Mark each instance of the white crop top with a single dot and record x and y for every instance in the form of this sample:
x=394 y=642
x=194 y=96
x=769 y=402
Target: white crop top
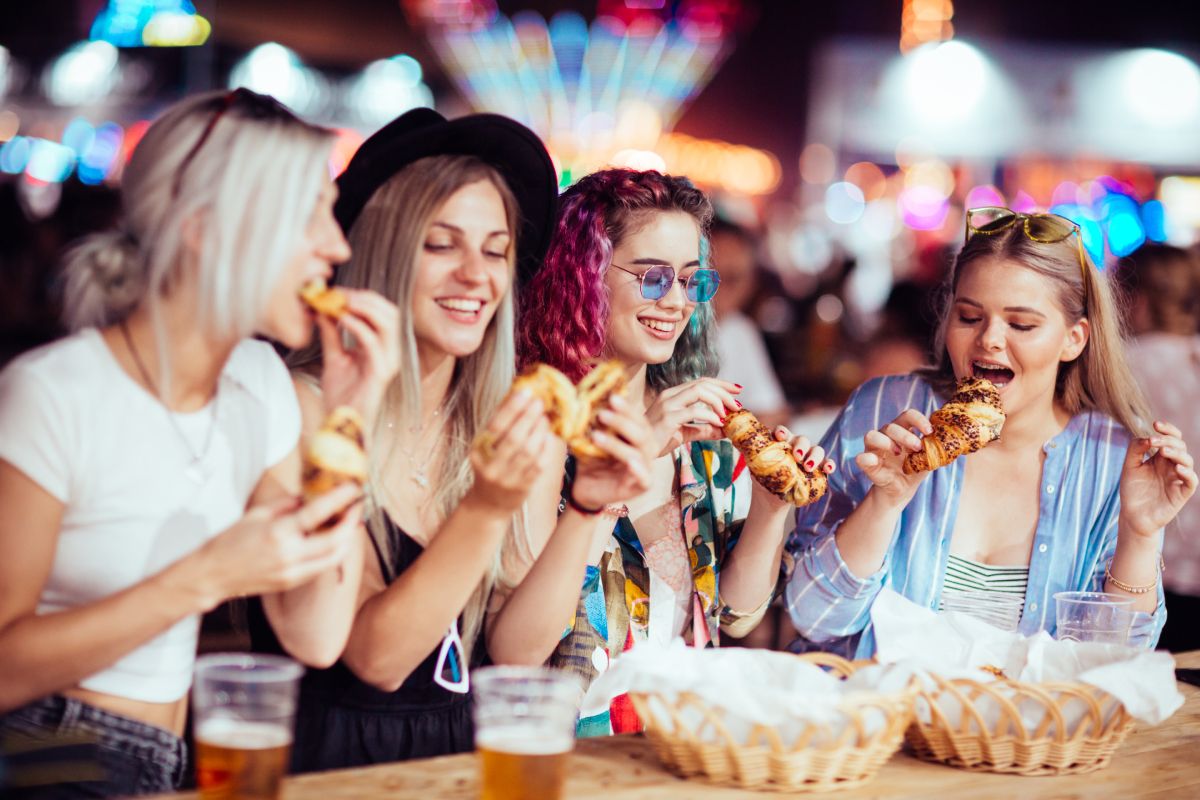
x=75 y=423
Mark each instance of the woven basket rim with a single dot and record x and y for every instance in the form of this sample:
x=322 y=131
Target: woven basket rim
x=1009 y=745
x=850 y=758
x=856 y=699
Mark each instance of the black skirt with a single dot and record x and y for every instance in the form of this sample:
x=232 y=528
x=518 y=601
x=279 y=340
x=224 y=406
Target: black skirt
x=342 y=721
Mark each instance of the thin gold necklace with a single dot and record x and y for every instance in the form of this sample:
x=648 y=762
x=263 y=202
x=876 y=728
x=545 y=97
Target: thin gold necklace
x=196 y=471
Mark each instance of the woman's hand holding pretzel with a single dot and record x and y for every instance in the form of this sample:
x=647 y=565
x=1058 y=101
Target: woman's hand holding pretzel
x=691 y=412
x=884 y=451
x=509 y=455
x=627 y=438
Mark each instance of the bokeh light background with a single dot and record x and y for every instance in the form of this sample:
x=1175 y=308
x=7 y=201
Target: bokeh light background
x=852 y=135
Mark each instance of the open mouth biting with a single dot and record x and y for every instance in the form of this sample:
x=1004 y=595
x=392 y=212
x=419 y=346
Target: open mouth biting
x=661 y=329
x=998 y=374
x=461 y=309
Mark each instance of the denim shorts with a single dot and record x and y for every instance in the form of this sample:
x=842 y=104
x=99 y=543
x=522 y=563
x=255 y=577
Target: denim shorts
x=62 y=748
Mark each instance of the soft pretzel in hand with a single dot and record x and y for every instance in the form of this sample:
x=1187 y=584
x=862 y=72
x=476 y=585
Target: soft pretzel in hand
x=771 y=462
x=570 y=409
x=970 y=421
x=593 y=391
x=557 y=394
x=335 y=454
x=327 y=300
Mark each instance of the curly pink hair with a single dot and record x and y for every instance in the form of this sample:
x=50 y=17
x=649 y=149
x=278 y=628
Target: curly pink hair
x=564 y=308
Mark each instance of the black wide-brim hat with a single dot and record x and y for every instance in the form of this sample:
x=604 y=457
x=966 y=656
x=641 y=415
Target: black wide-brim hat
x=505 y=144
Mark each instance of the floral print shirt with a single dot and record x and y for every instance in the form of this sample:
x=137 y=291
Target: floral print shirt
x=613 y=614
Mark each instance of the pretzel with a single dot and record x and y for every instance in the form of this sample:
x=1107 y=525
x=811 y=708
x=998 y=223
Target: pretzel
x=335 y=454
x=970 y=421
x=771 y=462
x=331 y=302
x=572 y=409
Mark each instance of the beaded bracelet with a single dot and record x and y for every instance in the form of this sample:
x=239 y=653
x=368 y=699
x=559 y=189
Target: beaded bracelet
x=616 y=510
x=1125 y=587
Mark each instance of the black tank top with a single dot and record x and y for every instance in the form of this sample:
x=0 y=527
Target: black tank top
x=344 y=722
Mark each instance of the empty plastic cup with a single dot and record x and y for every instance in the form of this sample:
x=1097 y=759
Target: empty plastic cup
x=999 y=609
x=1093 y=617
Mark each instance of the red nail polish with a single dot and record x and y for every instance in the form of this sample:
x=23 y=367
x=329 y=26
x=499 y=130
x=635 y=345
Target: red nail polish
x=739 y=386
x=810 y=463
x=739 y=405
x=829 y=468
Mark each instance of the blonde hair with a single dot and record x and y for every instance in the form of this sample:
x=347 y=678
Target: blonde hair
x=386 y=240
x=241 y=167
x=1099 y=378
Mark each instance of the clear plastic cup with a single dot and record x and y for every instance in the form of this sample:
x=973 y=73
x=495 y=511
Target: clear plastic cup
x=245 y=708
x=524 y=730
x=999 y=609
x=1093 y=617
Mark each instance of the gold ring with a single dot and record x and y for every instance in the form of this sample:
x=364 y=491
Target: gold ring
x=486 y=444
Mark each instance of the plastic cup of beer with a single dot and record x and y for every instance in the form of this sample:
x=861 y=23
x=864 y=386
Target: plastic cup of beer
x=244 y=708
x=1093 y=617
x=524 y=730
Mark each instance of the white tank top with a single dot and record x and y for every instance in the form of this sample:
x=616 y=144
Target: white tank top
x=75 y=423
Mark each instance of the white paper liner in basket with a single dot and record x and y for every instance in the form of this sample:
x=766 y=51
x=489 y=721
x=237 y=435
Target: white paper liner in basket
x=758 y=719
x=1062 y=707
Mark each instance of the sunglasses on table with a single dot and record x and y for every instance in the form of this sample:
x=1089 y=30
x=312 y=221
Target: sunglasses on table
x=700 y=286
x=1042 y=228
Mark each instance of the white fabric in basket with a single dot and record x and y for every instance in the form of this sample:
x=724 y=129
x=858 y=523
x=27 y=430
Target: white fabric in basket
x=751 y=687
x=956 y=645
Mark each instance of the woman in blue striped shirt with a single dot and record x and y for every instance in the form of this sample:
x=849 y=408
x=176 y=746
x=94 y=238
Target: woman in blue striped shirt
x=1077 y=489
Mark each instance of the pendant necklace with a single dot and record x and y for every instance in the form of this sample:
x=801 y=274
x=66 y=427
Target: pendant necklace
x=195 y=470
x=418 y=473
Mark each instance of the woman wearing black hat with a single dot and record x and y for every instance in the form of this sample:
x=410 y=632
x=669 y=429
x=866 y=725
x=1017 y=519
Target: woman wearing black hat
x=443 y=218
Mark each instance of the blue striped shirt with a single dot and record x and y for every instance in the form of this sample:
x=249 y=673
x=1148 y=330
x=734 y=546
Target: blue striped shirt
x=1076 y=529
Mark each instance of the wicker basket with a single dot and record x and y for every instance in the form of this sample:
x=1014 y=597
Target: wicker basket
x=1055 y=745
x=819 y=759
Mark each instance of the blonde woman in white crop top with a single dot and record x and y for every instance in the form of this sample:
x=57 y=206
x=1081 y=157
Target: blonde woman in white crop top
x=149 y=461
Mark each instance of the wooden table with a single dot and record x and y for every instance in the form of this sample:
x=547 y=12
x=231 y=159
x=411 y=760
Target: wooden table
x=1153 y=763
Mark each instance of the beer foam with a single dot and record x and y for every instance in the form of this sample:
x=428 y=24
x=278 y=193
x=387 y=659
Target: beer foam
x=523 y=740
x=242 y=735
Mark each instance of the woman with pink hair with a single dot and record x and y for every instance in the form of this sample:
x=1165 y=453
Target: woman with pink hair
x=625 y=278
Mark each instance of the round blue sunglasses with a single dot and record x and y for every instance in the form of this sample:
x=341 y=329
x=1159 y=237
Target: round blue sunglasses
x=700 y=287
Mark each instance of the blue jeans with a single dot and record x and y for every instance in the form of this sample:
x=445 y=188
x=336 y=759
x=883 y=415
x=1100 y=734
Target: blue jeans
x=59 y=747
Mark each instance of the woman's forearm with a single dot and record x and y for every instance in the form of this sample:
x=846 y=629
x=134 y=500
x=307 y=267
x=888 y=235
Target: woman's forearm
x=396 y=628
x=749 y=576
x=47 y=653
x=313 y=621
x=531 y=623
x=1135 y=563
x=866 y=534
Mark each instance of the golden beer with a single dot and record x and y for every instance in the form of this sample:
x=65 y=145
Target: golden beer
x=238 y=760
x=520 y=766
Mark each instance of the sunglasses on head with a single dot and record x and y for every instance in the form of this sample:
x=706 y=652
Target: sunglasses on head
x=1042 y=228
x=248 y=104
x=700 y=286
